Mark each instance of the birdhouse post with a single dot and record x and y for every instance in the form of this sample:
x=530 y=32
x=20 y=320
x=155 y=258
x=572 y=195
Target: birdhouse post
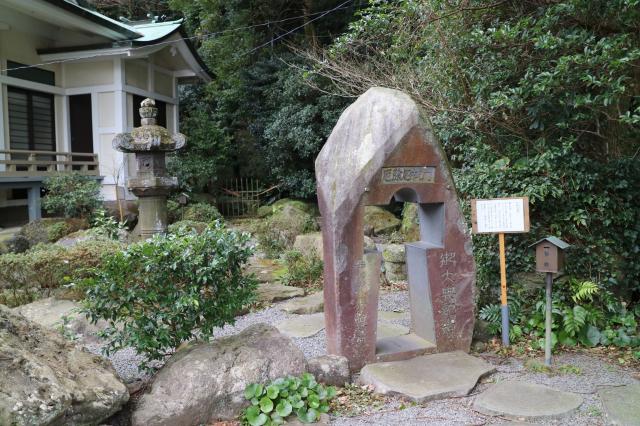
x=549 y=259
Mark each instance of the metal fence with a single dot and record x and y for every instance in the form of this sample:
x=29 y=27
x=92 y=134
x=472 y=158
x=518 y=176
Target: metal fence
x=242 y=196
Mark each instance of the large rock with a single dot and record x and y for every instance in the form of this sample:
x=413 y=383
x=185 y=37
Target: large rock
x=410 y=227
x=311 y=244
x=49 y=230
x=275 y=292
x=332 y=370
x=45 y=380
x=206 y=381
x=310 y=304
x=62 y=316
x=380 y=221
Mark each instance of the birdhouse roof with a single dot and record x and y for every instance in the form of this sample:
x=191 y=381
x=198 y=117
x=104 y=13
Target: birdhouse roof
x=555 y=241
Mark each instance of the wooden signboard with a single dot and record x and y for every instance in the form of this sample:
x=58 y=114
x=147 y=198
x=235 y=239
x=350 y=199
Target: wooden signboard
x=500 y=215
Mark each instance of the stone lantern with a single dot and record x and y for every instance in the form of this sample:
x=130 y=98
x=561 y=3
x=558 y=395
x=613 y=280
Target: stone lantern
x=150 y=143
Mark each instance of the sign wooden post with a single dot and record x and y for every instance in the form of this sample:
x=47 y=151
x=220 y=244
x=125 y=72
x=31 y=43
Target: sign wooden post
x=501 y=216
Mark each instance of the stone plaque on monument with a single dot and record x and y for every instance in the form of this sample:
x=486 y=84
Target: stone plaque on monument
x=383 y=148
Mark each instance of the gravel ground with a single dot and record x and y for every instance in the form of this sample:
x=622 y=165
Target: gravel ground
x=590 y=373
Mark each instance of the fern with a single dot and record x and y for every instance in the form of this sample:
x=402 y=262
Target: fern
x=574 y=319
x=584 y=291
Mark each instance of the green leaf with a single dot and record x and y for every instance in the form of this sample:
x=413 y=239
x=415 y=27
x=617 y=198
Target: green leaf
x=331 y=392
x=255 y=417
x=313 y=401
x=266 y=405
x=284 y=408
x=307 y=416
x=276 y=419
x=273 y=391
x=250 y=390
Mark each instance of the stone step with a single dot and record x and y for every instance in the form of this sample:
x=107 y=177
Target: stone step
x=398 y=348
x=426 y=378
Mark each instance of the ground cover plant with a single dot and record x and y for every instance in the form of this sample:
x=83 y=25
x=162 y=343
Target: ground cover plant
x=301 y=397
x=158 y=293
x=302 y=270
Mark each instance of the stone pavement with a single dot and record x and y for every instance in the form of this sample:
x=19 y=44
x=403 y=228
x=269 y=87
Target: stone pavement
x=520 y=400
x=428 y=377
x=621 y=404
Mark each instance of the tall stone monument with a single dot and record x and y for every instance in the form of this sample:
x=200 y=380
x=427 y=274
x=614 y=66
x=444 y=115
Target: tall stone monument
x=382 y=148
x=150 y=143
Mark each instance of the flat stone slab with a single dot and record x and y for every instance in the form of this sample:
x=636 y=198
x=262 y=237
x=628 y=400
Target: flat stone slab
x=427 y=377
x=392 y=315
x=387 y=329
x=302 y=325
x=310 y=304
x=520 y=400
x=621 y=404
x=400 y=348
x=276 y=292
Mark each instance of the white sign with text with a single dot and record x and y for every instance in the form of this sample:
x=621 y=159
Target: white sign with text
x=500 y=215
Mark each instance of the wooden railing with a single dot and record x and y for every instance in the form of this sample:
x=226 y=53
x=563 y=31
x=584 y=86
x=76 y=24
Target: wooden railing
x=22 y=163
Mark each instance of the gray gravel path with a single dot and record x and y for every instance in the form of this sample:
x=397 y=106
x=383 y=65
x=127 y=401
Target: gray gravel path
x=593 y=373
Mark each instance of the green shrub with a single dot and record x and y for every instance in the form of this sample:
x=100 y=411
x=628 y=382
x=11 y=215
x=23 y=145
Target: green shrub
x=285 y=397
x=105 y=225
x=582 y=313
x=71 y=195
x=49 y=266
x=191 y=225
x=302 y=270
x=201 y=212
x=50 y=230
x=159 y=293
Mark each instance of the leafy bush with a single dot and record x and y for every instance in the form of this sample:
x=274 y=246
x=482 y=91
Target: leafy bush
x=49 y=266
x=71 y=195
x=303 y=270
x=280 y=399
x=190 y=225
x=159 y=293
x=582 y=313
x=201 y=212
x=105 y=225
x=49 y=230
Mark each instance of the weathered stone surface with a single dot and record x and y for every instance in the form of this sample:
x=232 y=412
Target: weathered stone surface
x=380 y=221
x=428 y=377
x=410 y=227
x=310 y=304
x=395 y=272
x=330 y=369
x=309 y=244
x=45 y=379
x=387 y=329
x=62 y=316
x=206 y=381
x=312 y=244
x=393 y=253
x=392 y=315
x=270 y=293
x=519 y=400
x=265 y=270
x=384 y=130
x=49 y=230
x=302 y=325
x=621 y=404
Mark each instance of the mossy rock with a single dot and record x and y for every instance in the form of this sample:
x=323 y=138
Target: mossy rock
x=50 y=230
x=410 y=227
x=309 y=208
x=380 y=221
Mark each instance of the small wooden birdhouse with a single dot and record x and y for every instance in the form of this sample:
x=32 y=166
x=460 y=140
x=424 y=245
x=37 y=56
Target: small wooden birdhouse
x=550 y=254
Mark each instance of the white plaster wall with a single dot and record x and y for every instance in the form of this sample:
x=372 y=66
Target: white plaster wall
x=163 y=84
x=136 y=73
x=83 y=74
